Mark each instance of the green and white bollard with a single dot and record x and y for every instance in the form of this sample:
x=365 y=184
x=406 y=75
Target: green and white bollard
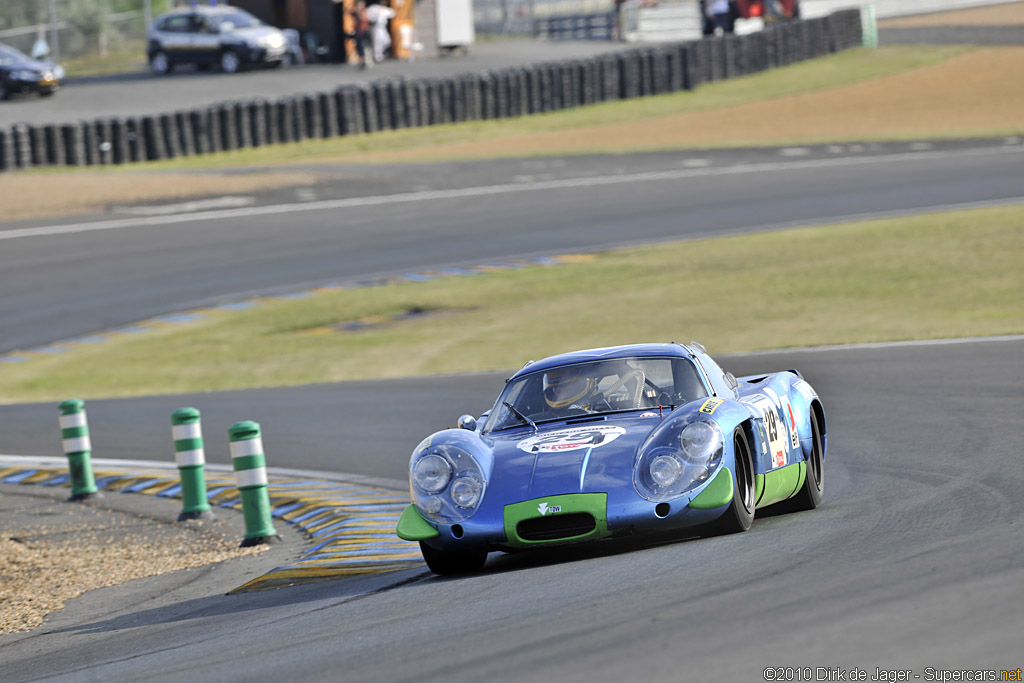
x=74 y=432
x=251 y=478
x=190 y=457
x=868 y=26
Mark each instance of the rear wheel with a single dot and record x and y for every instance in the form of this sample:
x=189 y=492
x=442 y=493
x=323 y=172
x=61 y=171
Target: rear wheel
x=809 y=496
x=740 y=514
x=446 y=563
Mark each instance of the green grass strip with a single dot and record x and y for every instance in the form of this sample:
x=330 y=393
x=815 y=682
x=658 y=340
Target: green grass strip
x=932 y=276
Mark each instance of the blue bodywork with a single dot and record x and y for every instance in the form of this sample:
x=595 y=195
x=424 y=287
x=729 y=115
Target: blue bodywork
x=596 y=463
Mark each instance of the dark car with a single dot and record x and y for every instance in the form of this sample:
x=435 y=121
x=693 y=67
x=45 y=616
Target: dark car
x=222 y=35
x=19 y=73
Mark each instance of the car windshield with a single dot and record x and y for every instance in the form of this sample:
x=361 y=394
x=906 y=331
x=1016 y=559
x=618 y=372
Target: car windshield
x=236 y=20
x=596 y=387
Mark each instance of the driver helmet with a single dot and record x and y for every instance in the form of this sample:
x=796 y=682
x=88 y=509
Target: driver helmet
x=565 y=386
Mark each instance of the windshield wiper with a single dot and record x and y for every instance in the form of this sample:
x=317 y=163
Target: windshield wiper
x=522 y=417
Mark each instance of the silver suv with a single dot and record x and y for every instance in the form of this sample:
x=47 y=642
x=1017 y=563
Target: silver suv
x=219 y=34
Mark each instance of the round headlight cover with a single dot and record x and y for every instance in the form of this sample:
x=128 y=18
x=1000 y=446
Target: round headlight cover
x=431 y=473
x=446 y=482
x=678 y=460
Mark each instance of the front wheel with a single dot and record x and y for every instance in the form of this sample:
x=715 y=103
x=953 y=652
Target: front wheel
x=160 y=63
x=740 y=514
x=444 y=563
x=230 y=62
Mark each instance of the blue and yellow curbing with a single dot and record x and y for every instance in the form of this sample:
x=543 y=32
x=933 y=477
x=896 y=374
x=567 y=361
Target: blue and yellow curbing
x=351 y=525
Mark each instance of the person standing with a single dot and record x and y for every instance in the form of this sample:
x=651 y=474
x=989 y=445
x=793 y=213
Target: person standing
x=717 y=12
x=361 y=32
x=379 y=15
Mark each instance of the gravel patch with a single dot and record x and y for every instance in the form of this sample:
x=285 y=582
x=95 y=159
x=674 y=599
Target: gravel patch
x=52 y=551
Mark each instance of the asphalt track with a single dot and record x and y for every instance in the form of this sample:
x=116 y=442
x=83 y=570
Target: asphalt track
x=65 y=278
x=913 y=561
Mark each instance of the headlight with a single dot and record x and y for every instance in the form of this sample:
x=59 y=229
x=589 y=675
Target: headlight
x=678 y=461
x=446 y=483
x=665 y=470
x=700 y=441
x=466 y=491
x=431 y=473
x=273 y=41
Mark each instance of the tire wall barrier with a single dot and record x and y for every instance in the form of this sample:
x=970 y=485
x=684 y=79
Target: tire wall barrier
x=399 y=103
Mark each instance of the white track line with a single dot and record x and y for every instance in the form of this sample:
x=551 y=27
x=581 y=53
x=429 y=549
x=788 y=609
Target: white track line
x=492 y=190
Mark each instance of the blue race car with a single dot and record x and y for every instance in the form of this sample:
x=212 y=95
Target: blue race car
x=615 y=442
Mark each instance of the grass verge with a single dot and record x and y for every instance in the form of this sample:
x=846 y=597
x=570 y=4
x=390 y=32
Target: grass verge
x=931 y=276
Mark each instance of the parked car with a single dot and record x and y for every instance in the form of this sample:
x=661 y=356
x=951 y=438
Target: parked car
x=646 y=439
x=216 y=35
x=19 y=73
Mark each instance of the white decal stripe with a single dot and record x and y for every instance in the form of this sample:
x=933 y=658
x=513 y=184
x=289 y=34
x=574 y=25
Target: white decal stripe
x=77 y=444
x=72 y=420
x=248 y=447
x=189 y=431
x=188 y=458
x=253 y=477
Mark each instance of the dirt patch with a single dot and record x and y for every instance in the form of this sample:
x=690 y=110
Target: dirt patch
x=81 y=192
x=976 y=91
x=42 y=565
x=995 y=15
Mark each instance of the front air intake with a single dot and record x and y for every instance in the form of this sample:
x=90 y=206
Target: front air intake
x=556 y=527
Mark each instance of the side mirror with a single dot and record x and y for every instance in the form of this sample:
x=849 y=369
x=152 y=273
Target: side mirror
x=467 y=422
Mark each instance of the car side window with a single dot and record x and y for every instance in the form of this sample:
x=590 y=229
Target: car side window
x=176 y=23
x=716 y=375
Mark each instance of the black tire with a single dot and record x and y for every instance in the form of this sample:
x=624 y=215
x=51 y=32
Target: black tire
x=740 y=514
x=160 y=64
x=4 y=94
x=809 y=495
x=444 y=563
x=230 y=62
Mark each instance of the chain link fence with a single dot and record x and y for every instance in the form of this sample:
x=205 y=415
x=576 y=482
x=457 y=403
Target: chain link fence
x=74 y=30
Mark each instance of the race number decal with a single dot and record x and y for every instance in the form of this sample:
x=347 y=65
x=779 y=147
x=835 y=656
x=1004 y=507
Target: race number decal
x=571 y=439
x=776 y=430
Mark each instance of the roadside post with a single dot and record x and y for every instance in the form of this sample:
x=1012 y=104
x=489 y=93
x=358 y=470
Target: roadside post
x=190 y=457
x=869 y=26
x=74 y=432
x=250 y=468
